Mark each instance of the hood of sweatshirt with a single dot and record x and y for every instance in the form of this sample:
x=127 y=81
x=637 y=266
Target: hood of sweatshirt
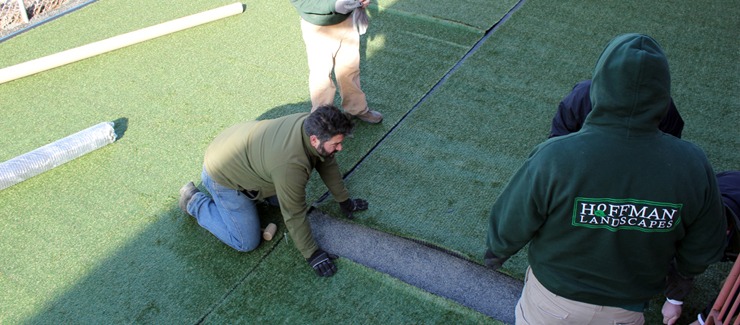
x=631 y=86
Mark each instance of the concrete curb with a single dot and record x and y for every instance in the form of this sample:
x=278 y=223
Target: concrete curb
x=470 y=284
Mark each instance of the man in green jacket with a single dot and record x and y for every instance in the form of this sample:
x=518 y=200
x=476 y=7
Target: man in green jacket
x=271 y=160
x=330 y=32
x=615 y=213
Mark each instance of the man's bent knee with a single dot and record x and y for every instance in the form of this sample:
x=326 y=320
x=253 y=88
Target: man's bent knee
x=246 y=247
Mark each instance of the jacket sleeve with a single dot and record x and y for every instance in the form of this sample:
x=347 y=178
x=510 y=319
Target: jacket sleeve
x=572 y=110
x=704 y=242
x=332 y=177
x=516 y=215
x=290 y=186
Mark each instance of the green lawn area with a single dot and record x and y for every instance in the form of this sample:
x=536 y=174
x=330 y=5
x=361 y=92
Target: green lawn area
x=102 y=240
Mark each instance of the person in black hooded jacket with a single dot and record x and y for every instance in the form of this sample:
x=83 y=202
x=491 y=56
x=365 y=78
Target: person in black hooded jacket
x=574 y=108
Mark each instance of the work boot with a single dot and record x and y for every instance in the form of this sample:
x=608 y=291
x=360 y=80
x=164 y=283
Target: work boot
x=186 y=193
x=370 y=116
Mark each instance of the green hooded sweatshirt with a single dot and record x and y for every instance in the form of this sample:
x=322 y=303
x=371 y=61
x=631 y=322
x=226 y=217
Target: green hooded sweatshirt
x=275 y=157
x=319 y=12
x=606 y=209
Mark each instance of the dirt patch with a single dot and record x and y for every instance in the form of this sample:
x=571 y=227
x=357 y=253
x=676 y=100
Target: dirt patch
x=11 y=16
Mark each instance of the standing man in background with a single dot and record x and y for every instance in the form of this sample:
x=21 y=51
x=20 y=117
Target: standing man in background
x=615 y=213
x=331 y=30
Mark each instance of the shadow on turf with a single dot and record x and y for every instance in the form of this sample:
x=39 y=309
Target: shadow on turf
x=120 y=126
x=173 y=271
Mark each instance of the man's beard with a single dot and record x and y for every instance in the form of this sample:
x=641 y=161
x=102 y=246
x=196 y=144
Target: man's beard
x=323 y=152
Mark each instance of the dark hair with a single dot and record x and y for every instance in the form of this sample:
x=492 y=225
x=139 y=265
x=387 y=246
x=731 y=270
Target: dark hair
x=326 y=122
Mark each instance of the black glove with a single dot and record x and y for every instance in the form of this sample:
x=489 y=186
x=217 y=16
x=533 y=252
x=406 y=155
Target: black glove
x=493 y=261
x=352 y=205
x=321 y=262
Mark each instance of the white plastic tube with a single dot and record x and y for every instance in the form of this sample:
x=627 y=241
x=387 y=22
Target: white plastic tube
x=83 y=52
x=54 y=154
x=22 y=10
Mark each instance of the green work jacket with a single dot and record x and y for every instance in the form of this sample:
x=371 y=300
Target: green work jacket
x=275 y=157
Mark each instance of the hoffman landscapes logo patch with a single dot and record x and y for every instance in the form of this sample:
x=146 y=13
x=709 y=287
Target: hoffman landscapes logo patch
x=626 y=214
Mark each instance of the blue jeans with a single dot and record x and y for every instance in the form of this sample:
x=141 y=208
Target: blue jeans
x=228 y=214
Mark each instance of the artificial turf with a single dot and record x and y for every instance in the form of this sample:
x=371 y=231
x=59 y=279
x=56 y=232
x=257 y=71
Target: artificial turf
x=101 y=239
x=359 y=295
x=457 y=150
x=459 y=147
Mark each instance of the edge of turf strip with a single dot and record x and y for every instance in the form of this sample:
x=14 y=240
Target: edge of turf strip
x=465 y=282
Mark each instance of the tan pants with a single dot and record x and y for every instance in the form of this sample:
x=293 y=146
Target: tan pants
x=334 y=48
x=540 y=306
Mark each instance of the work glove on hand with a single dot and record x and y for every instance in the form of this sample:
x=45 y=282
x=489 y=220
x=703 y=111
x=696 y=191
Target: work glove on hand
x=346 y=6
x=352 y=205
x=493 y=261
x=321 y=262
x=671 y=313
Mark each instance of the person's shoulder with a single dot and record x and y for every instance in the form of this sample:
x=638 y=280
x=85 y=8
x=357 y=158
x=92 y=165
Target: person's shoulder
x=557 y=143
x=550 y=149
x=583 y=84
x=730 y=174
x=690 y=154
x=685 y=145
x=294 y=116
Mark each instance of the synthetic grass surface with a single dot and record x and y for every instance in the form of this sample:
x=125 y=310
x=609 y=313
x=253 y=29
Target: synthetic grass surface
x=355 y=294
x=167 y=271
x=436 y=176
x=478 y=14
x=108 y=222
x=219 y=285
x=101 y=239
x=458 y=148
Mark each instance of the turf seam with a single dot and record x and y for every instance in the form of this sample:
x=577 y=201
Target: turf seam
x=432 y=90
x=442 y=80
x=226 y=295
x=423 y=99
x=449 y=22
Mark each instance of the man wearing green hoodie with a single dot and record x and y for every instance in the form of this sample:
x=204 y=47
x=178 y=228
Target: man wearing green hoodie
x=271 y=160
x=331 y=30
x=615 y=213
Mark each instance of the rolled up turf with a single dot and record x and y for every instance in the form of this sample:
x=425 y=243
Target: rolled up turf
x=56 y=153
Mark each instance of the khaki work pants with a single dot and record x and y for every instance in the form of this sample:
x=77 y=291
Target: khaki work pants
x=540 y=306
x=334 y=48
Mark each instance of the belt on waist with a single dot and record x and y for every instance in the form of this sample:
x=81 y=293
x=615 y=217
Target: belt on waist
x=250 y=194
